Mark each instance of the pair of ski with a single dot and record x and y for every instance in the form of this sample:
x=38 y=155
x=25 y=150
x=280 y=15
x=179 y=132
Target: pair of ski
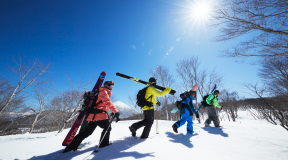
x=87 y=104
x=137 y=80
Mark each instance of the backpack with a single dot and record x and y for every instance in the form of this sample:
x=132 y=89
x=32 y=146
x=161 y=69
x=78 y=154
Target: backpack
x=141 y=101
x=179 y=105
x=204 y=103
x=92 y=109
x=183 y=96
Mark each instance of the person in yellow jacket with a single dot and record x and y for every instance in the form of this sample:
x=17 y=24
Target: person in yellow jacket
x=148 y=111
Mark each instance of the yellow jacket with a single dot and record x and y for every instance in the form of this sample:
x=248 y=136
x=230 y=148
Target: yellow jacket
x=152 y=91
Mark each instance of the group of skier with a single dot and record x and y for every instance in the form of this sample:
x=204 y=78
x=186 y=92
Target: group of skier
x=98 y=116
x=188 y=109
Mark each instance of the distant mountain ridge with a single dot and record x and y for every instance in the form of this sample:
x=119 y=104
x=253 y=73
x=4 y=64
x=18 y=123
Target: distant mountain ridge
x=124 y=110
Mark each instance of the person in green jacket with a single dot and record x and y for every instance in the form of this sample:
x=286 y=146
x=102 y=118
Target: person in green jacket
x=148 y=111
x=212 y=115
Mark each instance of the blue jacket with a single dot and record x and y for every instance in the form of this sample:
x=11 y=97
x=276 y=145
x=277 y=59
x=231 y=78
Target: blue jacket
x=189 y=101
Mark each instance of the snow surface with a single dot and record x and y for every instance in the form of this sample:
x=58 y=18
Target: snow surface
x=246 y=139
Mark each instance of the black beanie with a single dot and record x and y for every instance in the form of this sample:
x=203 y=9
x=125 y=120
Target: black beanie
x=152 y=79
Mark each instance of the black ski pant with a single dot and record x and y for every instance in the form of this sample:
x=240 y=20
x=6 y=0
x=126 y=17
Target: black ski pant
x=212 y=116
x=89 y=130
x=147 y=122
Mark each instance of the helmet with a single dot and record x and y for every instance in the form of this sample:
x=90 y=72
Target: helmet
x=152 y=79
x=107 y=84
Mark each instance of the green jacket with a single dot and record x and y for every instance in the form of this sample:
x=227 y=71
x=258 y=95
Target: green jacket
x=213 y=98
x=151 y=91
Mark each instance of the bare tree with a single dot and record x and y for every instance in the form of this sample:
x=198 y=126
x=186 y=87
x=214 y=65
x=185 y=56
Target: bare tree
x=190 y=73
x=229 y=100
x=16 y=103
x=25 y=72
x=275 y=75
x=77 y=93
x=14 y=108
x=278 y=114
x=41 y=91
x=265 y=21
x=62 y=105
x=164 y=79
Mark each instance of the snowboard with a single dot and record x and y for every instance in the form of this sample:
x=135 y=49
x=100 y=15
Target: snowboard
x=87 y=102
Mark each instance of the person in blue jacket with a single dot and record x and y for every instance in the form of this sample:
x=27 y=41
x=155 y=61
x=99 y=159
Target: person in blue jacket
x=186 y=113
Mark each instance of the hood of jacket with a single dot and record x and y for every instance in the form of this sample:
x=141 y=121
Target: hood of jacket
x=105 y=89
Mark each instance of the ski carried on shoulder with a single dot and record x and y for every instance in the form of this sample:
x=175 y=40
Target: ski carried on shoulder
x=137 y=80
x=87 y=102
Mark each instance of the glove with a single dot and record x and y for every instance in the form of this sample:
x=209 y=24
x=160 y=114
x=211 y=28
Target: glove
x=117 y=116
x=222 y=107
x=85 y=95
x=112 y=114
x=197 y=115
x=168 y=89
x=158 y=103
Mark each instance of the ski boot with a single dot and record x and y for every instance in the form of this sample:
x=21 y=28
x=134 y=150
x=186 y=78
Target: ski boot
x=175 y=128
x=133 y=131
x=206 y=125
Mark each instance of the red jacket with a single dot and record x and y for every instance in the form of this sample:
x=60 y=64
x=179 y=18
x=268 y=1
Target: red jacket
x=104 y=95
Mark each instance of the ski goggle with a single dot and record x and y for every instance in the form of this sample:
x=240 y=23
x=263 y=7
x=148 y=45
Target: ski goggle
x=110 y=83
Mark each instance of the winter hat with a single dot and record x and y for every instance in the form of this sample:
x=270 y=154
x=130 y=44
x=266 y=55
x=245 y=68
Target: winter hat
x=107 y=84
x=152 y=79
x=216 y=91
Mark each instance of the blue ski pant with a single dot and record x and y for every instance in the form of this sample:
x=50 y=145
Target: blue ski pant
x=186 y=118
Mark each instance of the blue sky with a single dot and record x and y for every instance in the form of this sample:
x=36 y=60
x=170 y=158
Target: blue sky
x=83 y=38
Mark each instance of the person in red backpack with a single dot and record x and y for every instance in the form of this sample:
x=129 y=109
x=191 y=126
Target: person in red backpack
x=98 y=117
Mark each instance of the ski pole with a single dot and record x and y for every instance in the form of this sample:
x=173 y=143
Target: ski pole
x=106 y=132
x=219 y=114
x=157 y=131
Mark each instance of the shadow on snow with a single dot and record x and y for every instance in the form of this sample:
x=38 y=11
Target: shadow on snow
x=214 y=130
x=181 y=138
x=116 y=150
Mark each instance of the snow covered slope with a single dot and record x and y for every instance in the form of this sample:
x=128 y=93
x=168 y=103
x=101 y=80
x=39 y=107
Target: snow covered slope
x=124 y=110
x=246 y=139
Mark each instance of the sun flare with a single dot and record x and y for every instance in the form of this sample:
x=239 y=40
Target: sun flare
x=201 y=10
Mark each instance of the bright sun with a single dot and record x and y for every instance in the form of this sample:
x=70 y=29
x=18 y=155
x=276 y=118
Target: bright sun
x=201 y=10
